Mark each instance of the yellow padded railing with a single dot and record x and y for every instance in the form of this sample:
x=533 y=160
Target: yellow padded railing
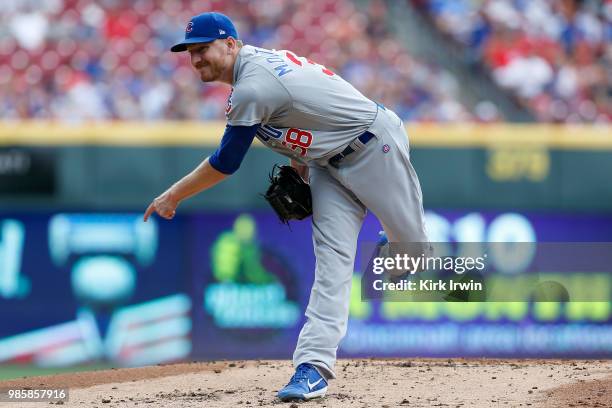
x=570 y=137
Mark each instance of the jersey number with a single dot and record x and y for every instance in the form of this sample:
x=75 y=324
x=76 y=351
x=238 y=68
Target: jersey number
x=293 y=58
x=298 y=139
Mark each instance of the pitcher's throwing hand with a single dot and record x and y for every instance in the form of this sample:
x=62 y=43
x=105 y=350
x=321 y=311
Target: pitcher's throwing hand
x=164 y=205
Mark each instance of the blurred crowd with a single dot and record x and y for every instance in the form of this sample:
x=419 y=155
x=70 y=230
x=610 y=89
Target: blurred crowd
x=81 y=60
x=554 y=55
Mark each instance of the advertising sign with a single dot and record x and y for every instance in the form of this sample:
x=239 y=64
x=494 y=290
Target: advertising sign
x=87 y=287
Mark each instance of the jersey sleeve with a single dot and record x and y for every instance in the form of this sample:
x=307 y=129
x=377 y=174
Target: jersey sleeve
x=234 y=146
x=256 y=98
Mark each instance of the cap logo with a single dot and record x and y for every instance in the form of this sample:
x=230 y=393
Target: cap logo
x=221 y=31
x=189 y=27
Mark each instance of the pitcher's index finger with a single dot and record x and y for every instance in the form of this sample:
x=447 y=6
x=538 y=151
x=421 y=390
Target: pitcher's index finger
x=148 y=212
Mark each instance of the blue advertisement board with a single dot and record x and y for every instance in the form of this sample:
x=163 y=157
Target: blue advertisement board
x=251 y=281
x=84 y=287
x=495 y=329
x=79 y=288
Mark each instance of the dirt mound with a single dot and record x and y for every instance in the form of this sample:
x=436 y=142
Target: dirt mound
x=583 y=394
x=91 y=378
x=360 y=383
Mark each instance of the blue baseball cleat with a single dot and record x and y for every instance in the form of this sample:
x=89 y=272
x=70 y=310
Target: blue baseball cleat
x=305 y=384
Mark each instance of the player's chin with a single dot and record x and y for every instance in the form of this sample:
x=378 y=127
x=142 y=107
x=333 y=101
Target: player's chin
x=209 y=74
x=206 y=77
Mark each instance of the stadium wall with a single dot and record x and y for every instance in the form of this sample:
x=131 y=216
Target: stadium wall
x=124 y=165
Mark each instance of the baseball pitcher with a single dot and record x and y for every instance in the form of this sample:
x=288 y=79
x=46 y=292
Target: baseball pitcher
x=353 y=152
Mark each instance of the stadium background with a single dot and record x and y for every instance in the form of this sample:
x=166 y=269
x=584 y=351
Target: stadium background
x=507 y=104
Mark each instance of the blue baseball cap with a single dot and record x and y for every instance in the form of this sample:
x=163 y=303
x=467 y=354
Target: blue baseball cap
x=204 y=28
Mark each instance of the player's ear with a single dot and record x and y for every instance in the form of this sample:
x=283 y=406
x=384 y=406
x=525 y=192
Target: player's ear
x=231 y=44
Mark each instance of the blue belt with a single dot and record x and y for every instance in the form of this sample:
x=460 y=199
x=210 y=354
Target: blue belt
x=364 y=138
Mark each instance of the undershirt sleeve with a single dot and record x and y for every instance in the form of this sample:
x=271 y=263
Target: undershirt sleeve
x=234 y=145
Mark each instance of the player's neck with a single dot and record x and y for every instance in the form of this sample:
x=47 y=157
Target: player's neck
x=228 y=75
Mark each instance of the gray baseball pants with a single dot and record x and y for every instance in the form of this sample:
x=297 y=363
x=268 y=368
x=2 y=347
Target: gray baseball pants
x=379 y=177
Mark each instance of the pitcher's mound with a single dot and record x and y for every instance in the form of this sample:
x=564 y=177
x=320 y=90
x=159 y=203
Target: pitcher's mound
x=359 y=383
